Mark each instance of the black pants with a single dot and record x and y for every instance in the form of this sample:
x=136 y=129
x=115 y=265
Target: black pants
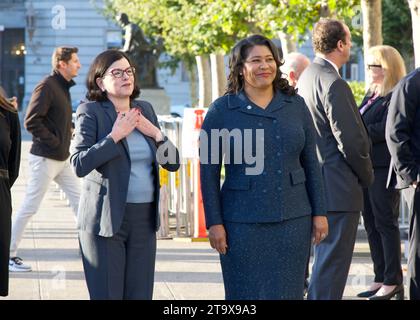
x=122 y=267
x=381 y=223
x=5 y=231
x=412 y=196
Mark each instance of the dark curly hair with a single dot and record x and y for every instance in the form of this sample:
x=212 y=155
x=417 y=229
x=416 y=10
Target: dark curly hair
x=326 y=34
x=240 y=53
x=97 y=70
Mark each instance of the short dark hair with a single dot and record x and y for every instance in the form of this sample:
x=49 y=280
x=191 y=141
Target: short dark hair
x=240 y=53
x=97 y=70
x=326 y=34
x=62 y=54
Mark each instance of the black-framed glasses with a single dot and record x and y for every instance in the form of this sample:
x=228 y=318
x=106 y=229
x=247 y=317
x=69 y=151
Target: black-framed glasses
x=371 y=66
x=118 y=73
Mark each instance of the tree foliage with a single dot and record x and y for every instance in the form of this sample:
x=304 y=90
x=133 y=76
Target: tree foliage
x=396 y=28
x=194 y=27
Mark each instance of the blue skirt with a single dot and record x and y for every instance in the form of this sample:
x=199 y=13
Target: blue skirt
x=266 y=261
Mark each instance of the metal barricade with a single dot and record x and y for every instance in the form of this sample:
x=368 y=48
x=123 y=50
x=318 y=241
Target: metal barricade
x=177 y=191
x=176 y=205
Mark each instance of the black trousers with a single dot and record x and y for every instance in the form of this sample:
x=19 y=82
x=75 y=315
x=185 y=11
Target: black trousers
x=5 y=232
x=381 y=223
x=122 y=267
x=412 y=196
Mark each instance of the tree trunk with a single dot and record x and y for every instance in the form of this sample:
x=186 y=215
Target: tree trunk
x=288 y=44
x=218 y=72
x=372 y=26
x=204 y=81
x=192 y=74
x=415 y=19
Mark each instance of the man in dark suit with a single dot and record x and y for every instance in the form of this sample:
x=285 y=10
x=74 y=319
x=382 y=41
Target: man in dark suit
x=403 y=140
x=343 y=152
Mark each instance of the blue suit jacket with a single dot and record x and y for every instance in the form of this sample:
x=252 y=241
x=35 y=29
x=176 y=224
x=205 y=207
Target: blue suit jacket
x=106 y=166
x=290 y=184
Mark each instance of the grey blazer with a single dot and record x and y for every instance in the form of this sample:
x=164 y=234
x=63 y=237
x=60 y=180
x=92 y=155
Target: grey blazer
x=342 y=141
x=105 y=166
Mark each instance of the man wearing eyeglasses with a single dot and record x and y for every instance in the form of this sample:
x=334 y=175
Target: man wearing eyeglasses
x=49 y=120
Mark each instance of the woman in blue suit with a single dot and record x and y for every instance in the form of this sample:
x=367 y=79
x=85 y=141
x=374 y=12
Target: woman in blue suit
x=260 y=221
x=118 y=148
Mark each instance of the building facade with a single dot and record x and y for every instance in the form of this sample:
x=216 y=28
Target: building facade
x=31 y=29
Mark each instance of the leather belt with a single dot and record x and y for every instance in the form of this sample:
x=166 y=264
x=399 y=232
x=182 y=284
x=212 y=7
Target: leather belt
x=4 y=174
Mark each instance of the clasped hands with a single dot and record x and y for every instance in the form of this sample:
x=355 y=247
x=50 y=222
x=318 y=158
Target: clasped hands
x=126 y=122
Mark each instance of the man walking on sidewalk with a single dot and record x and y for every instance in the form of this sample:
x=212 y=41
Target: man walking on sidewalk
x=49 y=120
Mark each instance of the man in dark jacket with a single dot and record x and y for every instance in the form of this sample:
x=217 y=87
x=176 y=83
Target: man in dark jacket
x=343 y=152
x=49 y=120
x=403 y=140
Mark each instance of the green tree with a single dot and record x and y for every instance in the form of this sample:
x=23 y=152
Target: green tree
x=397 y=29
x=192 y=28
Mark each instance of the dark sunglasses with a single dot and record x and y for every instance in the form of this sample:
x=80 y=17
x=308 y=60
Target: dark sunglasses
x=371 y=66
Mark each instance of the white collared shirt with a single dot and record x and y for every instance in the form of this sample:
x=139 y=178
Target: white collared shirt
x=333 y=64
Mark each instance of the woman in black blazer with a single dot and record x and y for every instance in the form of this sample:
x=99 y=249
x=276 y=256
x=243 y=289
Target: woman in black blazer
x=118 y=148
x=9 y=170
x=380 y=215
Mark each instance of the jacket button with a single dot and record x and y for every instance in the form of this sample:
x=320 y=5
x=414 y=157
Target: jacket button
x=249 y=107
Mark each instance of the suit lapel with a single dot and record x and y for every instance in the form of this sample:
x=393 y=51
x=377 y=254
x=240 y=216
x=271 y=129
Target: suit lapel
x=244 y=105
x=112 y=115
x=279 y=101
x=325 y=64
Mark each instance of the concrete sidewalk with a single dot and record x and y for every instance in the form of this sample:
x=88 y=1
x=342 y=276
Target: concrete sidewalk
x=184 y=270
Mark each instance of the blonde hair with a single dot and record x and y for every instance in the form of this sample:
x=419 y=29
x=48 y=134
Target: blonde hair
x=392 y=63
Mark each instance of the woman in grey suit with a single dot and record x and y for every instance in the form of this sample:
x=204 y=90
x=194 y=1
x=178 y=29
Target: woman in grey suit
x=118 y=148
x=261 y=220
